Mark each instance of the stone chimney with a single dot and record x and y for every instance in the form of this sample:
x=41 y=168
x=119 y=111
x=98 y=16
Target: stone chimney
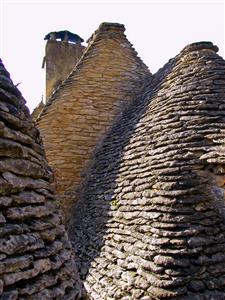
x=62 y=52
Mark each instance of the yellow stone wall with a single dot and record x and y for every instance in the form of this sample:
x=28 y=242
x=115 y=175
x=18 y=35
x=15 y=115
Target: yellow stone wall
x=108 y=76
x=60 y=59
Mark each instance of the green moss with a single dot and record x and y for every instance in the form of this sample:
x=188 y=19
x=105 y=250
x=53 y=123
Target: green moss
x=115 y=204
x=133 y=273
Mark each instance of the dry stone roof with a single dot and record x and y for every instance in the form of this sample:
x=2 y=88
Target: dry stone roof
x=78 y=114
x=36 y=261
x=151 y=224
x=95 y=48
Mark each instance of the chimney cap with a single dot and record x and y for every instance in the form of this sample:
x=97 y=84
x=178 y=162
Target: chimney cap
x=64 y=35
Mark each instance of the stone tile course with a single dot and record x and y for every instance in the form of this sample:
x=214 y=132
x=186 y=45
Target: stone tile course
x=151 y=223
x=36 y=258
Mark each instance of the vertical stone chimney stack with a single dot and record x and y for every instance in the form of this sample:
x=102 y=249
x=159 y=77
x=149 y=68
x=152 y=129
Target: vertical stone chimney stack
x=63 y=50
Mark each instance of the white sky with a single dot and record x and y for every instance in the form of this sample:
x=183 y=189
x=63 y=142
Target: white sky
x=158 y=30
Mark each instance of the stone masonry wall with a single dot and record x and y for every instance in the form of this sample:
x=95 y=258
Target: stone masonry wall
x=79 y=113
x=36 y=260
x=60 y=59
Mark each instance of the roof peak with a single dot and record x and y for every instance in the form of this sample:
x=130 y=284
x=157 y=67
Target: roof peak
x=108 y=26
x=105 y=27
x=202 y=45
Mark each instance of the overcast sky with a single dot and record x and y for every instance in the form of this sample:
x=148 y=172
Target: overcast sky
x=158 y=29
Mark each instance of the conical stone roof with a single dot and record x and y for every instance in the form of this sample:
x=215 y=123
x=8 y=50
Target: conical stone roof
x=108 y=77
x=152 y=221
x=36 y=261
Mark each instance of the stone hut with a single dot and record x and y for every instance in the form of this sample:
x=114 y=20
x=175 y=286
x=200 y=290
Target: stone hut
x=151 y=223
x=36 y=260
x=108 y=77
x=150 y=220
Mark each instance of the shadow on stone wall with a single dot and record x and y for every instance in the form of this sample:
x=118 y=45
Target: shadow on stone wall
x=98 y=193
x=150 y=224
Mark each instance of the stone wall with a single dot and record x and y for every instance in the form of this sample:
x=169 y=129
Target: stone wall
x=36 y=260
x=151 y=224
x=60 y=59
x=108 y=77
